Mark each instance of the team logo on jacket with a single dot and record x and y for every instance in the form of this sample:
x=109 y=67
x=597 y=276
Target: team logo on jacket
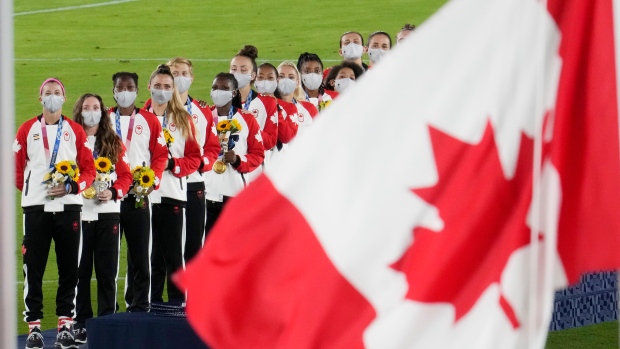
x=24 y=250
x=66 y=135
x=255 y=112
x=115 y=229
x=300 y=117
x=36 y=136
x=200 y=194
x=195 y=118
x=173 y=127
x=176 y=209
x=75 y=226
x=138 y=129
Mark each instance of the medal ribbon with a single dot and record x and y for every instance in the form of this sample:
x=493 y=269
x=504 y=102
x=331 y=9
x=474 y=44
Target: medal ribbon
x=129 y=129
x=246 y=105
x=51 y=159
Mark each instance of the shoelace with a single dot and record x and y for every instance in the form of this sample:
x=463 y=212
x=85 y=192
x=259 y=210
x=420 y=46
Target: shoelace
x=35 y=334
x=65 y=335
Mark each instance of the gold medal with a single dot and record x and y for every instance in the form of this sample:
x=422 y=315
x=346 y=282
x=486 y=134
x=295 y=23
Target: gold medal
x=89 y=193
x=219 y=167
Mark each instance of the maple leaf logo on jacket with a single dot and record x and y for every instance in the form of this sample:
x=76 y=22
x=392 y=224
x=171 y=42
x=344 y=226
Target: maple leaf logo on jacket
x=437 y=266
x=161 y=139
x=16 y=146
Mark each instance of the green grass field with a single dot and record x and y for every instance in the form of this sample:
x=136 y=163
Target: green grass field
x=84 y=47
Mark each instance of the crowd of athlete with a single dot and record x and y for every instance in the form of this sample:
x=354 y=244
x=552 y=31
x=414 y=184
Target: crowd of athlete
x=196 y=171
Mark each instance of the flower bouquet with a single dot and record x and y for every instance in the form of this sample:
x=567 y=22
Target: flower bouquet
x=104 y=168
x=62 y=173
x=227 y=133
x=143 y=179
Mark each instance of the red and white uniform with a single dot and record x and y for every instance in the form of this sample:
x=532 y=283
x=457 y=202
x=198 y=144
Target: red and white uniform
x=186 y=156
x=121 y=179
x=206 y=136
x=250 y=150
x=147 y=146
x=31 y=162
x=265 y=110
x=332 y=94
x=287 y=121
x=207 y=139
x=306 y=111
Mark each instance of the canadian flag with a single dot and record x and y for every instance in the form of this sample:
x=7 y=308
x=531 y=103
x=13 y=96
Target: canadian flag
x=440 y=202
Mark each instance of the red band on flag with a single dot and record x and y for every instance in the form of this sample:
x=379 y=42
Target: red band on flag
x=275 y=284
x=585 y=146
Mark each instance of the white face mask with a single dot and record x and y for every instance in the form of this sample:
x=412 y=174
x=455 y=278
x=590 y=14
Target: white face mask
x=182 y=83
x=52 y=103
x=266 y=86
x=352 y=51
x=312 y=81
x=160 y=96
x=243 y=79
x=92 y=117
x=220 y=97
x=375 y=54
x=344 y=84
x=287 y=86
x=125 y=98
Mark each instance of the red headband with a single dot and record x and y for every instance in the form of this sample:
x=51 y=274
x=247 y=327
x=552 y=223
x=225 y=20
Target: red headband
x=52 y=80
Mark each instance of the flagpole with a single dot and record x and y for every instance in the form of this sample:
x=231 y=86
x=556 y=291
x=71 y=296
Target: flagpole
x=536 y=205
x=8 y=297
x=616 y=20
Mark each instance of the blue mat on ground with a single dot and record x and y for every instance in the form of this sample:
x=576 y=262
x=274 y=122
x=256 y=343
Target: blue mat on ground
x=49 y=338
x=141 y=330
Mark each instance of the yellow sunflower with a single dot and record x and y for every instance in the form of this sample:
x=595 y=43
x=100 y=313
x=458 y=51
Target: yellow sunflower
x=147 y=178
x=223 y=126
x=324 y=104
x=235 y=125
x=76 y=175
x=136 y=172
x=63 y=167
x=103 y=164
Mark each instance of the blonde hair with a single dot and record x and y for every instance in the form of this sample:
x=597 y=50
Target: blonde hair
x=299 y=93
x=180 y=60
x=175 y=109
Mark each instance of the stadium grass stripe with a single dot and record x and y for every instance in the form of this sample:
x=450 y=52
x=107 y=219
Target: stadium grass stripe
x=68 y=8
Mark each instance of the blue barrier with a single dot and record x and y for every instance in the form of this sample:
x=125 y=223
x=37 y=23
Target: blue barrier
x=593 y=300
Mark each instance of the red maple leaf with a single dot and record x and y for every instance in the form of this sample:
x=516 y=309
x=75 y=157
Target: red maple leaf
x=484 y=217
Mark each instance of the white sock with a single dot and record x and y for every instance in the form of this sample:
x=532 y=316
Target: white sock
x=33 y=324
x=64 y=321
